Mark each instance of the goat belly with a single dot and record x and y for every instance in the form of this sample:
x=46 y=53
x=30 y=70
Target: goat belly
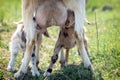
x=51 y=12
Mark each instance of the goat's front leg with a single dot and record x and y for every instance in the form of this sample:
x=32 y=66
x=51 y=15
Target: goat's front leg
x=34 y=69
x=64 y=59
x=14 y=48
x=35 y=56
x=26 y=59
x=29 y=26
x=66 y=56
x=53 y=60
x=38 y=43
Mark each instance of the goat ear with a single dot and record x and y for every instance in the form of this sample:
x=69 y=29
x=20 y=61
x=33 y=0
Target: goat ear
x=46 y=33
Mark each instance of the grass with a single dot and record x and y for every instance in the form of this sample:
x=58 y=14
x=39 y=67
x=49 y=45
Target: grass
x=106 y=59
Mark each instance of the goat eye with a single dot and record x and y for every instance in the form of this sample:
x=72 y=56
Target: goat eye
x=67 y=23
x=34 y=19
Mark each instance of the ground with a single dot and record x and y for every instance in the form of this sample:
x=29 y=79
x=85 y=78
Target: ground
x=103 y=36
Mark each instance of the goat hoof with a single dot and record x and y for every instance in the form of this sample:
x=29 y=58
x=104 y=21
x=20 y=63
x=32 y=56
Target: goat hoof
x=90 y=67
x=19 y=75
x=35 y=73
x=63 y=64
x=9 y=68
x=47 y=73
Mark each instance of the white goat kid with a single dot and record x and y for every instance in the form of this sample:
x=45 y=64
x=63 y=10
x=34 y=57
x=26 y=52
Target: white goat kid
x=18 y=43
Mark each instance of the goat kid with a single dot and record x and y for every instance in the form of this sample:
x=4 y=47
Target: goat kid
x=18 y=43
x=66 y=40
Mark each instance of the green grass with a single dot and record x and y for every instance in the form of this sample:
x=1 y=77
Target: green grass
x=106 y=60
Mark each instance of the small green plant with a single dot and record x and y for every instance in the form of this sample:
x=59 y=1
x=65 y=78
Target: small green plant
x=1 y=74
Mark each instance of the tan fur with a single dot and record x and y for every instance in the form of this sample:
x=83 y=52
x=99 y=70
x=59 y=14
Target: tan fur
x=66 y=37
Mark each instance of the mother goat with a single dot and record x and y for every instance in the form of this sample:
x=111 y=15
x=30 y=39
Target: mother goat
x=47 y=13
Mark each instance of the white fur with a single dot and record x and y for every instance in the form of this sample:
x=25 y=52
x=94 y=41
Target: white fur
x=62 y=57
x=78 y=6
x=34 y=67
x=15 y=47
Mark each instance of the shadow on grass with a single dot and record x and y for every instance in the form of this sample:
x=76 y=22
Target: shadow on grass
x=71 y=72
x=75 y=72
x=29 y=76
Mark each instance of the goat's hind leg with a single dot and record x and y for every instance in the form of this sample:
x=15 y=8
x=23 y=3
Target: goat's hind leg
x=80 y=41
x=85 y=42
x=82 y=51
x=78 y=6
